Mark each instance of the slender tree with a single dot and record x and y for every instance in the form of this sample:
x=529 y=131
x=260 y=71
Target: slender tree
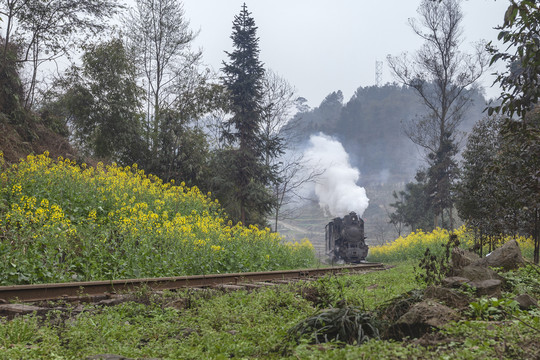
x=442 y=174
x=444 y=79
x=47 y=30
x=245 y=157
x=160 y=37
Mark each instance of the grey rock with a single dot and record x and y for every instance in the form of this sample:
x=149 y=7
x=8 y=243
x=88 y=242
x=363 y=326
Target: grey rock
x=449 y=297
x=477 y=273
x=20 y=309
x=455 y=281
x=462 y=258
x=507 y=257
x=526 y=301
x=489 y=287
x=422 y=318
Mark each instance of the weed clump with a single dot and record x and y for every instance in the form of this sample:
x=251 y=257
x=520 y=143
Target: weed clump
x=345 y=324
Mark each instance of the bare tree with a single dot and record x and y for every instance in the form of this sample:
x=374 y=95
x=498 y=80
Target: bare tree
x=443 y=77
x=160 y=37
x=277 y=126
x=293 y=177
x=278 y=103
x=48 y=30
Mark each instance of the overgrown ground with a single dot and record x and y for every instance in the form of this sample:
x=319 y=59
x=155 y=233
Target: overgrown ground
x=255 y=324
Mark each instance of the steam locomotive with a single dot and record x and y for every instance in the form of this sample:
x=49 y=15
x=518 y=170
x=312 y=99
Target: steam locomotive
x=345 y=240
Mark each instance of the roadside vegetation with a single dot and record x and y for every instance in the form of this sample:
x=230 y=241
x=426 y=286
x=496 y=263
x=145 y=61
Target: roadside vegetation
x=265 y=322
x=60 y=221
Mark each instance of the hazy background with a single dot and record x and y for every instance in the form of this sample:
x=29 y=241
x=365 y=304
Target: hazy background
x=320 y=46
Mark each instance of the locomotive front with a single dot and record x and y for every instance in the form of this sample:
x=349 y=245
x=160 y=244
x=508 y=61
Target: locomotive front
x=345 y=240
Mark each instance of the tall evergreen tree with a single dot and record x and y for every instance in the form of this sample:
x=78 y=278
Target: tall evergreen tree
x=246 y=172
x=477 y=196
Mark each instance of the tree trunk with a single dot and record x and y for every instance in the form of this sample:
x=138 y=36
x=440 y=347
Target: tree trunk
x=536 y=237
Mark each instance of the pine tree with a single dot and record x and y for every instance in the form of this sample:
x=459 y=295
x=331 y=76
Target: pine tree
x=245 y=171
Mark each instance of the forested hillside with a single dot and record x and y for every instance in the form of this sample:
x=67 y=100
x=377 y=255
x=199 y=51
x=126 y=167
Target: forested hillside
x=370 y=127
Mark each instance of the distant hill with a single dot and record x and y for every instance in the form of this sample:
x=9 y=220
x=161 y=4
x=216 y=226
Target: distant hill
x=370 y=129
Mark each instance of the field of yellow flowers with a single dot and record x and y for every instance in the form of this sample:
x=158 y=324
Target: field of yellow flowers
x=60 y=221
x=413 y=246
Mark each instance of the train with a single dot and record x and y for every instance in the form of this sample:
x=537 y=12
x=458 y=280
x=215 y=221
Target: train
x=345 y=240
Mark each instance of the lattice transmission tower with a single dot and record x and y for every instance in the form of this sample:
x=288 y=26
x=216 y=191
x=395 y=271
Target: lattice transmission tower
x=378 y=73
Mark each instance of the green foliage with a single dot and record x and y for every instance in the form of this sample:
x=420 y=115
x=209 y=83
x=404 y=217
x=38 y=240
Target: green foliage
x=64 y=222
x=498 y=194
x=525 y=280
x=364 y=292
x=413 y=207
x=442 y=174
x=520 y=34
x=102 y=102
x=183 y=152
x=11 y=90
x=493 y=308
x=432 y=269
x=520 y=92
x=254 y=324
x=476 y=201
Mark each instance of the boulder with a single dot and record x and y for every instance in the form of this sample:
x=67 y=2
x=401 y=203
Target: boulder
x=507 y=257
x=489 y=287
x=462 y=258
x=477 y=273
x=455 y=281
x=449 y=297
x=422 y=318
x=526 y=301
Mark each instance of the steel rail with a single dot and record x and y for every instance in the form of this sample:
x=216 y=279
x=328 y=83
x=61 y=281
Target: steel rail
x=38 y=292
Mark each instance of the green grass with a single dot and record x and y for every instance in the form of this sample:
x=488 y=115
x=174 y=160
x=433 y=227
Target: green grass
x=254 y=324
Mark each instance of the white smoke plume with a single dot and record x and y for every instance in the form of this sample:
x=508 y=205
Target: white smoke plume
x=336 y=188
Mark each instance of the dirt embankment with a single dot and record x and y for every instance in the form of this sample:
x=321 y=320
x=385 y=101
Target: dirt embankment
x=16 y=142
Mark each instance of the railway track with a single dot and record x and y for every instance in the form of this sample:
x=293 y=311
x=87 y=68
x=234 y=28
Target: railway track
x=39 y=292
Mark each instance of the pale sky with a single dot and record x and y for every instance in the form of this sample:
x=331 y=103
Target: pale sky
x=320 y=46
